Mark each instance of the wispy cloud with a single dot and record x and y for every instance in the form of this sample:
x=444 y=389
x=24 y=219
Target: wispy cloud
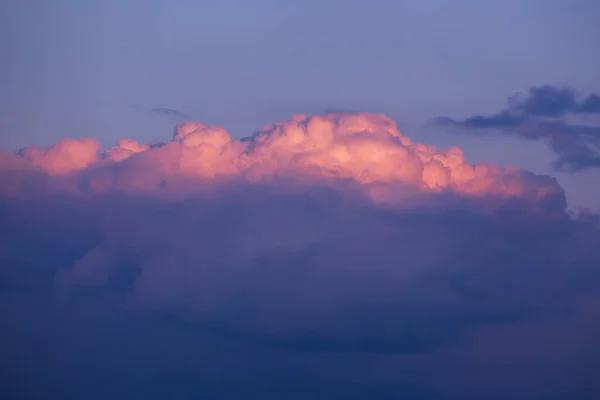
x=543 y=114
x=168 y=112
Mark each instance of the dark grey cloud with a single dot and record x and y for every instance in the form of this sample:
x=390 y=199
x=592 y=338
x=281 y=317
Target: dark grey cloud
x=549 y=101
x=590 y=105
x=540 y=115
x=256 y=291
x=169 y=112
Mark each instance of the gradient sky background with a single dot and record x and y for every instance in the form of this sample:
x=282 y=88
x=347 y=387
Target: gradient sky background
x=98 y=68
x=149 y=277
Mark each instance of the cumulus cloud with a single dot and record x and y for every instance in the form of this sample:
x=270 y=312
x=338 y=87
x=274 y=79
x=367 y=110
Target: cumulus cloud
x=559 y=115
x=325 y=256
x=65 y=156
x=366 y=149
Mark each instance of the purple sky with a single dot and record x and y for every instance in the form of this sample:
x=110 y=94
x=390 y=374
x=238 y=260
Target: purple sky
x=327 y=256
x=98 y=68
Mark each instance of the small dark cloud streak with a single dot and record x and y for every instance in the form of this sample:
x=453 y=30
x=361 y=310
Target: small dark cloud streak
x=168 y=112
x=539 y=115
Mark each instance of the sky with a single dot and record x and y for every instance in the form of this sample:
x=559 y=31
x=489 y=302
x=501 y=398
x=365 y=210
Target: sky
x=319 y=199
x=99 y=68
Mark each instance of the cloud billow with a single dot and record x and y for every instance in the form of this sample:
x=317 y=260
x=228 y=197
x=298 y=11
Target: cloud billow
x=366 y=149
x=543 y=114
x=326 y=256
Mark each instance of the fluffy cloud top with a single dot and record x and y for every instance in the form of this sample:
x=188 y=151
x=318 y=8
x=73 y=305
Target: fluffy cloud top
x=262 y=268
x=366 y=149
x=65 y=156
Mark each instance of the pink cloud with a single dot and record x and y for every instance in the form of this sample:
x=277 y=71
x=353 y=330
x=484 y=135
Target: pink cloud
x=367 y=149
x=273 y=244
x=65 y=156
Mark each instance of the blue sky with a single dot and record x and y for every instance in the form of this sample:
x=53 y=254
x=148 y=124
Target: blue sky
x=97 y=68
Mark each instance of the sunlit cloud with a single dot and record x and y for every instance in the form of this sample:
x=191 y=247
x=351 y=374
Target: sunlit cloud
x=332 y=244
x=367 y=149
